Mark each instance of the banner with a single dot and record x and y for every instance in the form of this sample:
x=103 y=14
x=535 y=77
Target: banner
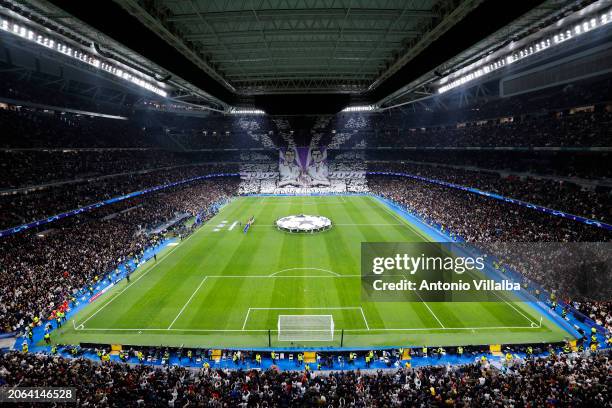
x=303 y=167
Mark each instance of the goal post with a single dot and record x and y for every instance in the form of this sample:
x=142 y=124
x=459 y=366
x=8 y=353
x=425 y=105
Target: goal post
x=305 y=328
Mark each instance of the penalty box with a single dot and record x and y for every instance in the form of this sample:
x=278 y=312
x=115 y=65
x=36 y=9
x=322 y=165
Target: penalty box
x=344 y=317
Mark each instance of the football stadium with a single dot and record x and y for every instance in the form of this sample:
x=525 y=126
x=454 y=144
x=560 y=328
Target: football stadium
x=296 y=203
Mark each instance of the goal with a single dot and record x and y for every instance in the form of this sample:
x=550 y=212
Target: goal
x=305 y=328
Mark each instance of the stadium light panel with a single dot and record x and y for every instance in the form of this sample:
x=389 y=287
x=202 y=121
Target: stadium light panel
x=240 y=111
x=365 y=108
x=30 y=35
x=540 y=45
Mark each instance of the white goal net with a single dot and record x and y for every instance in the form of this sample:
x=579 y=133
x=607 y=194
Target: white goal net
x=305 y=328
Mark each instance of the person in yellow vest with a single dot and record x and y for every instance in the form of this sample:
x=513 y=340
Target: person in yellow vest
x=529 y=351
x=24 y=346
x=235 y=358
x=206 y=365
x=47 y=338
x=35 y=320
x=190 y=355
x=424 y=351
x=566 y=348
x=54 y=349
x=508 y=356
x=273 y=357
x=140 y=357
x=58 y=320
x=300 y=359
x=106 y=358
x=441 y=352
x=307 y=368
x=258 y=359
x=407 y=364
x=460 y=351
x=593 y=347
x=367 y=361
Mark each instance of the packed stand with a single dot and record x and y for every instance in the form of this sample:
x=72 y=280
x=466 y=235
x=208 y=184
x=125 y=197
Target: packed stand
x=42 y=269
x=33 y=129
x=599 y=312
x=212 y=130
x=35 y=167
x=565 y=380
x=477 y=218
x=21 y=208
x=584 y=129
x=578 y=165
x=558 y=195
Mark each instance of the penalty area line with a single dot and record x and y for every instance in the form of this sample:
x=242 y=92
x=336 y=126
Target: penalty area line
x=430 y=311
x=246 y=318
x=531 y=322
x=186 y=303
x=427 y=306
x=364 y=318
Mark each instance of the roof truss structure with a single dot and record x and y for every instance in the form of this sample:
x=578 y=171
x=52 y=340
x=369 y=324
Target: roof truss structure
x=294 y=46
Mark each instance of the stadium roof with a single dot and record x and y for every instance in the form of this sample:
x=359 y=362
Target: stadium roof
x=244 y=52
x=295 y=46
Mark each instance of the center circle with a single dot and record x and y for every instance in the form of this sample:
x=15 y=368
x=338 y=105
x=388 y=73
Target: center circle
x=303 y=223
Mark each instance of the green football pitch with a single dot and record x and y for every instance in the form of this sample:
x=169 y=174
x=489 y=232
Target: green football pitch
x=223 y=288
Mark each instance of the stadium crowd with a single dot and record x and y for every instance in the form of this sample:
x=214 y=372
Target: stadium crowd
x=36 y=167
x=563 y=380
x=598 y=311
x=34 y=129
x=477 y=218
x=586 y=165
x=42 y=269
x=551 y=193
x=586 y=129
x=23 y=207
